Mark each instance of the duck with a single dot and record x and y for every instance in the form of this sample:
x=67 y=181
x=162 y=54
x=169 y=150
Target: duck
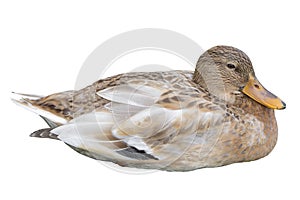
x=176 y=120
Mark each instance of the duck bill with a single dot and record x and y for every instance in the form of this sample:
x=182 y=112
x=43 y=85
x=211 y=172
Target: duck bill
x=256 y=91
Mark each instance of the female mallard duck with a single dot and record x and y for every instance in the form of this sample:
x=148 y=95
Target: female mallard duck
x=173 y=120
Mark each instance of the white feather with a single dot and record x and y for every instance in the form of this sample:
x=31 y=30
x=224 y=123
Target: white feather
x=146 y=123
x=137 y=95
x=91 y=136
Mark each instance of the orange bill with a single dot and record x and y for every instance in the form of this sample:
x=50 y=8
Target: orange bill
x=257 y=92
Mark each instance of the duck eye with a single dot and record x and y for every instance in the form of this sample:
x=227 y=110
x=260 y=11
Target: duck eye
x=231 y=66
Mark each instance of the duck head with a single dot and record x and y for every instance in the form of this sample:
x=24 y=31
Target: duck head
x=227 y=71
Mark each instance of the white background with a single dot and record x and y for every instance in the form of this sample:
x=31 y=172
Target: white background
x=43 y=45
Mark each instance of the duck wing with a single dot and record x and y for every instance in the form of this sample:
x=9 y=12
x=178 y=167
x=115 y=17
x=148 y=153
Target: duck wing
x=143 y=120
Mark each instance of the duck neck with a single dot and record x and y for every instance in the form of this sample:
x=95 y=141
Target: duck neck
x=198 y=79
x=215 y=84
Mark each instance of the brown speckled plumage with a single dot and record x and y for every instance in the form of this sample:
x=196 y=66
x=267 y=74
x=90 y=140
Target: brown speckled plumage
x=196 y=120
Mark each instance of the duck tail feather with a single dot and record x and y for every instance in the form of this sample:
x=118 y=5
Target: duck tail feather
x=44 y=133
x=28 y=101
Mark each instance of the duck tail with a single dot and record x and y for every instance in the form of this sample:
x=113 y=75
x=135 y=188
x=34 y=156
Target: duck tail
x=31 y=103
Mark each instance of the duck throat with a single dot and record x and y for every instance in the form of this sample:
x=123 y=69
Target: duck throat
x=214 y=83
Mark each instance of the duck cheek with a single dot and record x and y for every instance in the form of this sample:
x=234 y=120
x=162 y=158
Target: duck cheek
x=257 y=92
